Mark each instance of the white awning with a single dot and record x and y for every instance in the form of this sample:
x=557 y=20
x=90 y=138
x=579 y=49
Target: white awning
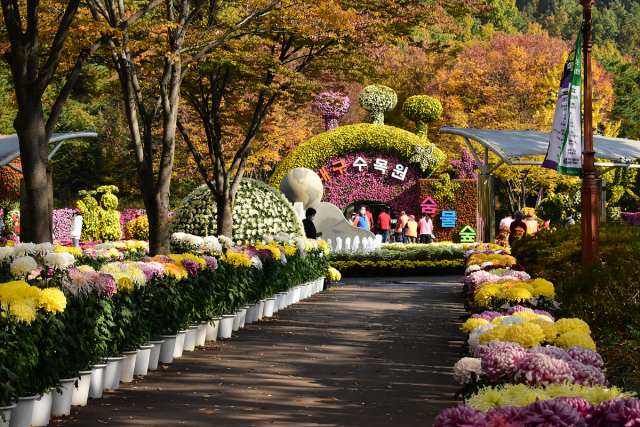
x=10 y=147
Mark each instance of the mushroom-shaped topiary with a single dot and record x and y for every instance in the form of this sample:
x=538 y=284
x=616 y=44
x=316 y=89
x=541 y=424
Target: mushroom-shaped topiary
x=422 y=109
x=332 y=106
x=377 y=100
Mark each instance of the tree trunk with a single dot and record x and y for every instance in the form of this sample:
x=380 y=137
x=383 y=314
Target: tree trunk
x=157 y=214
x=30 y=127
x=225 y=215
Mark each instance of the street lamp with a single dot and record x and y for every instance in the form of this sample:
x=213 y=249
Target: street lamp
x=589 y=191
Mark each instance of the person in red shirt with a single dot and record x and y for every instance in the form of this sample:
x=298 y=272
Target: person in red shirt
x=383 y=224
x=370 y=218
x=412 y=229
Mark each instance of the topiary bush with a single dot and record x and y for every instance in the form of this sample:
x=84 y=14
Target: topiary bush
x=88 y=207
x=332 y=106
x=553 y=206
x=109 y=217
x=422 y=109
x=361 y=137
x=137 y=229
x=260 y=211
x=377 y=100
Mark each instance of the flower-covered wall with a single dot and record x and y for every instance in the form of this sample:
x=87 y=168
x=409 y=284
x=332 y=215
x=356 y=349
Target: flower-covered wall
x=459 y=195
x=371 y=176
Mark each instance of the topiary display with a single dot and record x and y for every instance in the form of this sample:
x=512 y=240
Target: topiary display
x=422 y=109
x=332 y=106
x=260 y=211
x=377 y=100
x=361 y=137
x=109 y=217
x=88 y=207
x=137 y=229
x=553 y=206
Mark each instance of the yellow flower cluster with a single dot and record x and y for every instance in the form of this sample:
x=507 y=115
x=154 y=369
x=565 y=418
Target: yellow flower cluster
x=526 y=334
x=519 y=395
x=20 y=300
x=237 y=260
x=130 y=244
x=76 y=252
x=174 y=271
x=53 y=300
x=471 y=324
x=501 y=260
x=275 y=252
x=333 y=275
x=202 y=264
x=512 y=290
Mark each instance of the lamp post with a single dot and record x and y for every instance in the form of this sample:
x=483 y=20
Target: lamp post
x=589 y=190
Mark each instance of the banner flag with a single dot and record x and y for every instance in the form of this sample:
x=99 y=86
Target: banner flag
x=564 y=153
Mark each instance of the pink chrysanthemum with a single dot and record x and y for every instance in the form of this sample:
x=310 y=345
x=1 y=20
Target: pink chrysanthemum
x=538 y=370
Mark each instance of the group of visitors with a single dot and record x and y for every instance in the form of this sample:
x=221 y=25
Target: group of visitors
x=407 y=229
x=528 y=224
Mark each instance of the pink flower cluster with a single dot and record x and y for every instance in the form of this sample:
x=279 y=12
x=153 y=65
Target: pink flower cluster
x=62 y=223
x=467 y=166
x=127 y=215
x=332 y=106
x=631 y=218
x=372 y=184
x=561 y=412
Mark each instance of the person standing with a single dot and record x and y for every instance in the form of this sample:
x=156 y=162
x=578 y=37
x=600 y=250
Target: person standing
x=370 y=218
x=532 y=225
x=361 y=220
x=425 y=227
x=309 y=226
x=401 y=226
x=384 y=224
x=506 y=221
x=76 y=229
x=517 y=224
x=412 y=229
x=547 y=223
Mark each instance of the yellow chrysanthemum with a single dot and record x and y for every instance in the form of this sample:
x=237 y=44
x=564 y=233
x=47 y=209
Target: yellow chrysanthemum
x=22 y=311
x=19 y=291
x=236 y=259
x=545 y=291
x=571 y=338
x=53 y=300
x=548 y=329
x=482 y=296
x=540 y=282
x=178 y=273
x=526 y=315
x=136 y=275
x=518 y=294
x=177 y=258
x=85 y=268
x=76 y=252
x=125 y=282
x=275 y=252
x=495 y=334
x=497 y=320
x=486 y=399
x=521 y=395
x=574 y=324
x=333 y=274
x=524 y=285
x=526 y=334
x=202 y=264
x=114 y=252
x=471 y=324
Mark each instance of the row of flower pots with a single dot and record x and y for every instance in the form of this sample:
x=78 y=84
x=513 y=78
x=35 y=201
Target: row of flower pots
x=36 y=410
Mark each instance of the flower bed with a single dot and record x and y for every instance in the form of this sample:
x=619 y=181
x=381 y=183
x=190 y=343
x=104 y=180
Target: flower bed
x=526 y=366
x=62 y=310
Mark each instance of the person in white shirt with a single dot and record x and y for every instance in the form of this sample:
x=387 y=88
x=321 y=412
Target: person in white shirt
x=76 y=229
x=506 y=221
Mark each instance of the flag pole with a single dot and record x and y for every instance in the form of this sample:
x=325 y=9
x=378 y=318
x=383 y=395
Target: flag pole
x=589 y=190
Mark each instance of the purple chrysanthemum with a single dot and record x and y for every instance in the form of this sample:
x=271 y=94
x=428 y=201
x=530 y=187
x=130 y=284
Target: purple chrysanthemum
x=538 y=370
x=164 y=258
x=516 y=274
x=462 y=416
x=190 y=266
x=517 y=309
x=546 y=413
x=586 y=374
x=487 y=315
x=212 y=263
x=582 y=406
x=552 y=351
x=106 y=286
x=499 y=361
x=616 y=412
x=586 y=356
x=504 y=416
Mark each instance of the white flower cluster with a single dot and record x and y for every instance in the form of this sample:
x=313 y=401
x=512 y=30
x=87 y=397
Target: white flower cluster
x=260 y=210
x=22 y=266
x=465 y=368
x=59 y=260
x=187 y=239
x=425 y=157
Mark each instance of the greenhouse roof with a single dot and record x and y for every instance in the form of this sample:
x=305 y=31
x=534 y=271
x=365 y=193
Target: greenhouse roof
x=511 y=145
x=10 y=148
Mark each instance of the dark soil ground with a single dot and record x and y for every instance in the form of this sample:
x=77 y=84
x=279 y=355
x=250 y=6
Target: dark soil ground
x=375 y=352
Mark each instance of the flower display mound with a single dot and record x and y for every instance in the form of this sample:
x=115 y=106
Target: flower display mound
x=371 y=184
x=137 y=228
x=260 y=211
x=360 y=137
x=458 y=195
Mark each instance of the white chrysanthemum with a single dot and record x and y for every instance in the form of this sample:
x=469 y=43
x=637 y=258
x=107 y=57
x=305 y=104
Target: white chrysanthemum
x=465 y=367
x=59 y=260
x=474 y=337
x=45 y=248
x=471 y=269
x=300 y=246
x=22 y=266
x=225 y=241
x=6 y=252
x=212 y=247
x=255 y=262
x=486 y=264
x=194 y=241
x=178 y=237
x=211 y=239
x=512 y=320
x=25 y=249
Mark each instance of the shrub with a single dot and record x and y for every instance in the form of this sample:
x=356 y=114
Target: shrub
x=377 y=100
x=422 y=109
x=137 y=229
x=109 y=217
x=88 y=207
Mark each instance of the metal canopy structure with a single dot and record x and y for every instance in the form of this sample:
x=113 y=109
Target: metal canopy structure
x=511 y=145
x=10 y=146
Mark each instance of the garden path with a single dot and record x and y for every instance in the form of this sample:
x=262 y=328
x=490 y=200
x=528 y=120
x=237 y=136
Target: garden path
x=368 y=353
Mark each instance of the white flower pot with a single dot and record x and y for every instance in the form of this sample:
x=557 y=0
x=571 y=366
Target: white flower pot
x=251 y=313
x=261 y=312
x=61 y=400
x=289 y=298
x=190 y=338
x=212 y=329
x=142 y=360
x=5 y=414
x=304 y=291
x=243 y=316
x=97 y=381
x=226 y=326
x=22 y=413
x=201 y=337
x=154 y=354
x=179 y=348
x=296 y=294
x=112 y=373
x=282 y=300
x=80 y=394
x=269 y=304
x=237 y=319
x=276 y=303
x=168 y=348
x=41 y=410
x=128 y=366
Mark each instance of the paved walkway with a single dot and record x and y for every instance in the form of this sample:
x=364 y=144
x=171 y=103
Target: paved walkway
x=367 y=353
